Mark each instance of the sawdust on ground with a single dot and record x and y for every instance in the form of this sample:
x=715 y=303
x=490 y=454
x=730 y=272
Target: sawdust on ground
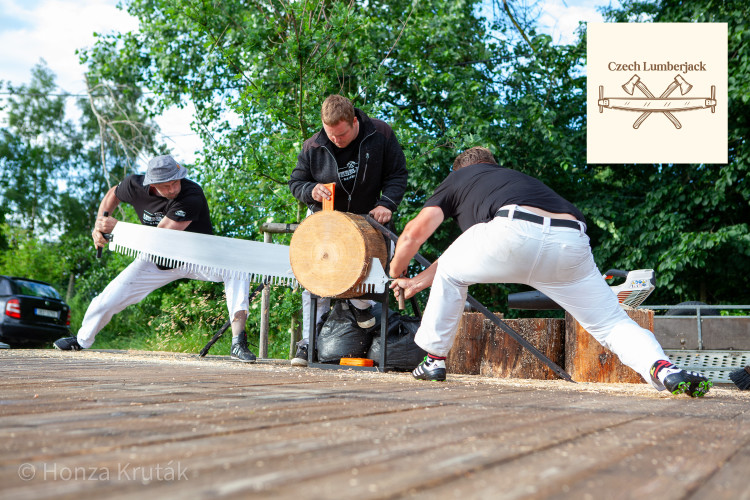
x=728 y=391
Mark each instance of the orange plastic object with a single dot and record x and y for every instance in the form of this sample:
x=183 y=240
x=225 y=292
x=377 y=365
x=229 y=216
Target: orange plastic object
x=328 y=204
x=356 y=362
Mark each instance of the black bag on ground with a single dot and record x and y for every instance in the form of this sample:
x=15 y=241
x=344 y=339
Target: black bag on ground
x=340 y=337
x=402 y=353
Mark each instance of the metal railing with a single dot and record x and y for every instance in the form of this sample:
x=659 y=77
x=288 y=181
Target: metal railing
x=698 y=308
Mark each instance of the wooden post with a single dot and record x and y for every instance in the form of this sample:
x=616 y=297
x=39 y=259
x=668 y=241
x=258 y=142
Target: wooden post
x=295 y=335
x=482 y=348
x=269 y=228
x=588 y=361
x=265 y=300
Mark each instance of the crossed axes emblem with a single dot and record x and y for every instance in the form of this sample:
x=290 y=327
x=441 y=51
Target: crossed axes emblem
x=662 y=104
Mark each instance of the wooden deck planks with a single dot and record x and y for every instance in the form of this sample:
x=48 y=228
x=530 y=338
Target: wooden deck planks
x=271 y=431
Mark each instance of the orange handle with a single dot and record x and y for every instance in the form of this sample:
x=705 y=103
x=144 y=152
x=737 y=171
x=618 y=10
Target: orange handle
x=328 y=204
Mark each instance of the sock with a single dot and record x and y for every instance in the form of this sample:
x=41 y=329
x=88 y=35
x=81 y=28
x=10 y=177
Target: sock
x=663 y=368
x=238 y=325
x=436 y=361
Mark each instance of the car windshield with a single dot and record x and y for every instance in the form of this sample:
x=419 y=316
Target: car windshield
x=35 y=289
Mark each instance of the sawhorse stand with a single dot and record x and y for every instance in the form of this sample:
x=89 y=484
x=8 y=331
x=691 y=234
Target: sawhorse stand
x=312 y=355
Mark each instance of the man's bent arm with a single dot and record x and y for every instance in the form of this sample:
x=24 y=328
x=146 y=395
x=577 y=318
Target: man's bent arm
x=414 y=235
x=394 y=174
x=105 y=224
x=413 y=286
x=301 y=182
x=109 y=202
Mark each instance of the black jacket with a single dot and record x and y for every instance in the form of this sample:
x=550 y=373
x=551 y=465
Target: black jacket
x=381 y=175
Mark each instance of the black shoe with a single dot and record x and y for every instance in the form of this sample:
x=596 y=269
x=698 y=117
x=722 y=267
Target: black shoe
x=67 y=344
x=300 y=359
x=684 y=382
x=240 y=351
x=430 y=369
x=364 y=317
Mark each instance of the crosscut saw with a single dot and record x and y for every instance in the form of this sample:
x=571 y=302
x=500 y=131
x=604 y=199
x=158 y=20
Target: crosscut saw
x=227 y=257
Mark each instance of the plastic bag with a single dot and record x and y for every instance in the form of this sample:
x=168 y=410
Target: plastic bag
x=340 y=337
x=402 y=353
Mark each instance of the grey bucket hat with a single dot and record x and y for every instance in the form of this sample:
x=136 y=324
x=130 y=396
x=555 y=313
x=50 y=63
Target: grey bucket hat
x=163 y=169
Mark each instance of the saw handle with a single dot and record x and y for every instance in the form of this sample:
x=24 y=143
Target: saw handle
x=401 y=299
x=328 y=204
x=616 y=273
x=106 y=235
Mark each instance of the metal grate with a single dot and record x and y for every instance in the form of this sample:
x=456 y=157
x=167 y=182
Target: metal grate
x=716 y=365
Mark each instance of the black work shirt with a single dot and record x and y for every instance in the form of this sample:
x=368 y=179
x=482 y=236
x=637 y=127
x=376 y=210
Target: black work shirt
x=474 y=193
x=189 y=205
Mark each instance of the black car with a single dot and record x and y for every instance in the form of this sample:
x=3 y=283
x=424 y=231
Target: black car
x=31 y=312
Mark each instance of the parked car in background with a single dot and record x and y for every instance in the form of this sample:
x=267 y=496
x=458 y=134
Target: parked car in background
x=32 y=313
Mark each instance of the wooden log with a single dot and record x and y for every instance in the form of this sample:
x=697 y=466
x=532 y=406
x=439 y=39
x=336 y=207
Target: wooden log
x=588 y=361
x=331 y=253
x=482 y=348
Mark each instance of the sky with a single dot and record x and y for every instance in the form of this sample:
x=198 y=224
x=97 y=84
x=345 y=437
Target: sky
x=52 y=30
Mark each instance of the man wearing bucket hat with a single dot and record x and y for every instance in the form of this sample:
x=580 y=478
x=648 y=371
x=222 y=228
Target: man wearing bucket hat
x=164 y=198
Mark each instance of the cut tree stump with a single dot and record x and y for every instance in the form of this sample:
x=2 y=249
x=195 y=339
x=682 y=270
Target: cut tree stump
x=331 y=253
x=588 y=361
x=482 y=348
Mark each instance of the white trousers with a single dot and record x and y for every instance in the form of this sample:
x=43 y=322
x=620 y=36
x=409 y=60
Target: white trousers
x=558 y=262
x=139 y=279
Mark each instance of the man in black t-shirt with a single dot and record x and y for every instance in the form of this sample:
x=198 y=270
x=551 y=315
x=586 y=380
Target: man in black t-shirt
x=162 y=198
x=518 y=230
x=363 y=157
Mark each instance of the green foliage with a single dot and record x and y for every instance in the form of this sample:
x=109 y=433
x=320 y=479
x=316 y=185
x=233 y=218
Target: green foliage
x=35 y=152
x=30 y=257
x=188 y=313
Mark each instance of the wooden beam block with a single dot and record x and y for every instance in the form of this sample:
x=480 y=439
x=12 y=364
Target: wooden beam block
x=482 y=348
x=586 y=360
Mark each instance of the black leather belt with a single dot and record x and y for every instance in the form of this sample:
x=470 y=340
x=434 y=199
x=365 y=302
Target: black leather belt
x=538 y=219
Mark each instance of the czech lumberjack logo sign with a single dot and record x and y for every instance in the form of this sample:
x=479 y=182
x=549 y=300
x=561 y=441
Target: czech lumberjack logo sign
x=663 y=104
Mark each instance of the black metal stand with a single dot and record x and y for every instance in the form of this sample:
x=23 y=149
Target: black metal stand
x=312 y=354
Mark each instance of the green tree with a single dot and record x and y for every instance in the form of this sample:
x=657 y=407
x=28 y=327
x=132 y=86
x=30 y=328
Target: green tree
x=36 y=148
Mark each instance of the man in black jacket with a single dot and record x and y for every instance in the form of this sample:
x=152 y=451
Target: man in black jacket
x=363 y=157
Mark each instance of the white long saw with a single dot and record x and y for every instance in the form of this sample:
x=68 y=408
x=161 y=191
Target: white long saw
x=227 y=257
